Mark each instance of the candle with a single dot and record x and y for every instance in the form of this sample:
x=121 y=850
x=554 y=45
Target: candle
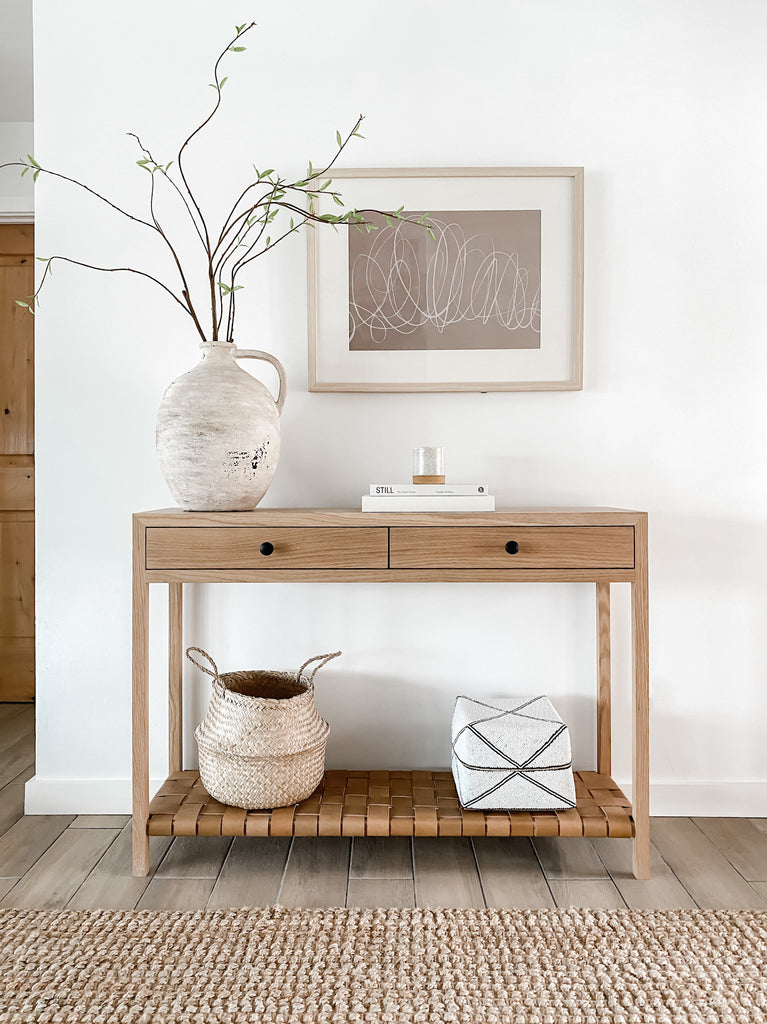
x=428 y=465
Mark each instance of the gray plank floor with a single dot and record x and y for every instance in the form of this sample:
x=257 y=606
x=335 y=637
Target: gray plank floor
x=83 y=862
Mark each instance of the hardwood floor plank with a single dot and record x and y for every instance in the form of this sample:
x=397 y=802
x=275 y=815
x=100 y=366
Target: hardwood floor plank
x=760 y=823
x=176 y=894
x=60 y=872
x=381 y=857
x=111 y=885
x=10 y=709
x=100 y=821
x=251 y=875
x=17 y=757
x=195 y=857
x=702 y=868
x=316 y=874
x=380 y=892
x=761 y=888
x=26 y=841
x=6 y=884
x=744 y=845
x=446 y=873
x=510 y=874
x=12 y=800
x=16 y=720
x=569 y=858
x=662 y=891
x=593 y=894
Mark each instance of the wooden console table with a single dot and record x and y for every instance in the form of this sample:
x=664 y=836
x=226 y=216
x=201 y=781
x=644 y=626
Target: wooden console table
x=599 y=545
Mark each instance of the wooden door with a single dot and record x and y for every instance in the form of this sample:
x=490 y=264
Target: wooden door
x=17 y=486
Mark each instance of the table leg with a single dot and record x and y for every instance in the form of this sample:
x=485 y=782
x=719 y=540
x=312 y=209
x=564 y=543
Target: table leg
x=140 y=715
x=604 y=706
x=640 y=796
x=175 y=676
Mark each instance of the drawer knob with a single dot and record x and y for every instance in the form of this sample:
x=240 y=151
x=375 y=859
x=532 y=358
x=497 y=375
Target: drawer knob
x=512 y=547
x=266 y=548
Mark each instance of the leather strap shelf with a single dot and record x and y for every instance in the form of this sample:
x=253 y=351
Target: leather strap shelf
x=382 y=803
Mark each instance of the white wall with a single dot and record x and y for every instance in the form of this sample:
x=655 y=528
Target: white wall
x=662 y=103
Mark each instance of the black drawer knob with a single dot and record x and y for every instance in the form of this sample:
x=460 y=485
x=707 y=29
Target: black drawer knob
x=512 y=547
x=266 y=548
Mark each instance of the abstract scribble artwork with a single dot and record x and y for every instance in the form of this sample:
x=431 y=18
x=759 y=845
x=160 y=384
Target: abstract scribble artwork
x=476 y=285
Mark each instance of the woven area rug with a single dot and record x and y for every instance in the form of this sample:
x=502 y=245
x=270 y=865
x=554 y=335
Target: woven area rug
x=281 y=966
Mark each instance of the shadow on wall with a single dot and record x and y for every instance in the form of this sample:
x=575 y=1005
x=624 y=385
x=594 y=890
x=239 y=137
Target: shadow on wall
x=352 y=736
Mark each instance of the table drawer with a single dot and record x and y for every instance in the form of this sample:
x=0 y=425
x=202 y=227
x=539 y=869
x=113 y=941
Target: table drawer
x=529 y=547
x=251 y=547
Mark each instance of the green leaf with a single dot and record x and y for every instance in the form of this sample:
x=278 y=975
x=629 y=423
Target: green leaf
x=24 y=305
x=238 y=287
x=268 y=240
x=168 y=165
x=222 y=83
x=24 y=171
x=291 y=222
x=328 y=182
x=423 y=218
x=265 y=174
x=44 y=259
x=237 y=49
x=358 y=135
x=36 y=174
x=431 y=234
x=240 y=28
x=337 y=201
x=311 y=169
x=339 y=140
x=32 y=160
x=389 y=221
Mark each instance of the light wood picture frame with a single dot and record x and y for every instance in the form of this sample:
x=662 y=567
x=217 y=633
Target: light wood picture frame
x=493 y=303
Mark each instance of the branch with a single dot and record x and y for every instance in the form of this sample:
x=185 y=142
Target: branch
x=109 y=270
x=164 y=172
x=199 y=128
x=185 y=289
x=37 y=169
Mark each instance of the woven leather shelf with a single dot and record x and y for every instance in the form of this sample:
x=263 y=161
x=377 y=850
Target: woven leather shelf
x=386 y=803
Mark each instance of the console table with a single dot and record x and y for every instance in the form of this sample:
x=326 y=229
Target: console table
x=595 y=545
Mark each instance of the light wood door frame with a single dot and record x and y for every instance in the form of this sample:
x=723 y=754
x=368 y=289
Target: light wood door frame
x=17 y=492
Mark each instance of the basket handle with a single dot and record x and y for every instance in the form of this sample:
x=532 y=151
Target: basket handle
x=323 y=659
x=202 y=668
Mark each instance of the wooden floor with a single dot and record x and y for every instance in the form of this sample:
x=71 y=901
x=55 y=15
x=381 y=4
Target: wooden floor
x=54 y=861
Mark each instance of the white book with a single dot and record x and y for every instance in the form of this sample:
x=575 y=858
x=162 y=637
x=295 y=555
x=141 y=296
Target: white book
x=422 y=490
x=431 y=503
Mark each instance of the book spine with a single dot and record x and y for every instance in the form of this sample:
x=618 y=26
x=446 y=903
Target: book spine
x=422 y=490
x=405 y=503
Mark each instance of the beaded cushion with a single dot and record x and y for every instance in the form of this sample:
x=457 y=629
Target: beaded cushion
x=511 y=753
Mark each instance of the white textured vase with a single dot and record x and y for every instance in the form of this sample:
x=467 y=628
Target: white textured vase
x=218 y=432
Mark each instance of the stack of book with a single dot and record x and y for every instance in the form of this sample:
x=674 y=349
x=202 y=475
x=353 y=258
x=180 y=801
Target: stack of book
x=428 y=498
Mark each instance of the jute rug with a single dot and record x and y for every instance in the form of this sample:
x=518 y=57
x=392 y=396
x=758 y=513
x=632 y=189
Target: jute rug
x=280 y=966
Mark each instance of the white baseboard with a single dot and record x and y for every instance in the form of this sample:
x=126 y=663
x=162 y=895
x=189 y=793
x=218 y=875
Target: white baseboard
x=706 y=799
x=81 y=796
x=672 y=799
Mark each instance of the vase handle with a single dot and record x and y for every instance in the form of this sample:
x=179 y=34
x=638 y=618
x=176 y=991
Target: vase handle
x=252 y=353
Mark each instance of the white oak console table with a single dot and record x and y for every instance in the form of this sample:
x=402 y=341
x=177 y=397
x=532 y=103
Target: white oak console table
x=595 y=545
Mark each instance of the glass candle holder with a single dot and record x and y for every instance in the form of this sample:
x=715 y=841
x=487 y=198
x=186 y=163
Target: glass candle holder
x=428 y=465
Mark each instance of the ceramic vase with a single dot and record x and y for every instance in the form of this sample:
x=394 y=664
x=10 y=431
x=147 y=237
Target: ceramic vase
x=218 y=432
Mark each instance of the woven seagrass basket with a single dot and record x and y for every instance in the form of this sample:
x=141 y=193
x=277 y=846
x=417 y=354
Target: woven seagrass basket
x=262 y=741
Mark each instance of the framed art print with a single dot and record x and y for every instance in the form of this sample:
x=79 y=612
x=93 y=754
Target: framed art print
x=493 y=302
